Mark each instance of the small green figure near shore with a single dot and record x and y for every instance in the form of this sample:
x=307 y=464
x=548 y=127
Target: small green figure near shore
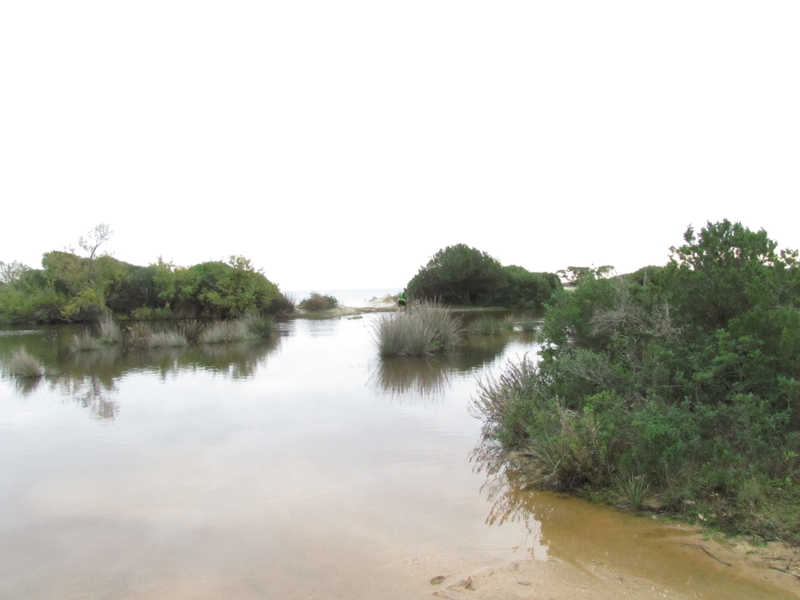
x=401 y=301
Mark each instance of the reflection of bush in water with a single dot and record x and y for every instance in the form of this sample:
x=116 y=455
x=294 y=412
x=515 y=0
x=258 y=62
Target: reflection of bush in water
x=239 y=360
x=26 y=385
x=103 y=359
x=91 y=391
x=506 y=485
x=422 y=376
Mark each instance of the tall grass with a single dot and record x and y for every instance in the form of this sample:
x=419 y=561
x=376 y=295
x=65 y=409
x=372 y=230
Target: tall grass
x=167 y=339
x=110 y=332
x=138 y=335
x=425 y=329
x=22 y=364
x=192 y=329
x=222 y=332
x=259 y=325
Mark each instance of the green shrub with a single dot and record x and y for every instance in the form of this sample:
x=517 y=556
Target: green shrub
x=317 y=302
x=679 y=383
x=284 y=304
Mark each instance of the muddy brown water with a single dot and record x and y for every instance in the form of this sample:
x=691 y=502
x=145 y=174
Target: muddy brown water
x=305 y=467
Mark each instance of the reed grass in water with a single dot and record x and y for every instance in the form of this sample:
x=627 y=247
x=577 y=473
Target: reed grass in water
x=167 y=339
x=424 y=329
x=109 y=331
x=22 y=364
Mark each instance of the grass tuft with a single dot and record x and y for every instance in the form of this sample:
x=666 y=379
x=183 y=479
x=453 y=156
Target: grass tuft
x=22 y=364
x=424 y=329
x=221 y=332
x=167 y=339
x=259 y=325
x=110 y=332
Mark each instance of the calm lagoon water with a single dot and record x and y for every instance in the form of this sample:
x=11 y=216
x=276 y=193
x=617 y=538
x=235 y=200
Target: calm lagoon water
x=305 y=467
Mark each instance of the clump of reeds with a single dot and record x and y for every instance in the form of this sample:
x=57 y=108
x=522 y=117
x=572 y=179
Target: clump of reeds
x=85 y=341
x=221 y=332
x=426 y=329
x=192 y=329
x=109 y=331
x=138 y=335
x=167 y=339
x=259 y=325
x=22 y=364
x=632 y=490
x=317 y=302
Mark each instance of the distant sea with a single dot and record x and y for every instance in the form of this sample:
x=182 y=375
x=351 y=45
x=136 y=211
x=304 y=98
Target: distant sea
x=353 y=298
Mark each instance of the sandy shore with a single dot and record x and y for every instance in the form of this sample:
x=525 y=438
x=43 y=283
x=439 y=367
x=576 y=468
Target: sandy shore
x=690 y=566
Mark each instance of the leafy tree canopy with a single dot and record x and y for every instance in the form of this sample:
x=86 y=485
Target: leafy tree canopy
x=458 y=275
x=467 y=276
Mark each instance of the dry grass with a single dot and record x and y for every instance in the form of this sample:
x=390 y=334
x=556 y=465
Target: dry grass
x=22 y=364
x=425 y=329
x=167 y=339
x=109 y=331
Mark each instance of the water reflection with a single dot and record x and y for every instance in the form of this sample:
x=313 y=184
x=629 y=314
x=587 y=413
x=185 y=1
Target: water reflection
x=504 y=485
x=90 y=377
x=427 y=378
x=430 y=377
x=506 y=490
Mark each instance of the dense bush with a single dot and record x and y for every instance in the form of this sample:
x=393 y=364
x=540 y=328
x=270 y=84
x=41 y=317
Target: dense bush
x=678 y=384
x=70 y=288
x=461 y=275
x=317 y=302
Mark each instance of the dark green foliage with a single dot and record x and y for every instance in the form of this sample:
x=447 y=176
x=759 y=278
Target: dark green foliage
x=63 y=290
x=461 y=275
x=317 y=302
x=284 y=304
x=678 y=382
x=458 y=275
x=522 y=289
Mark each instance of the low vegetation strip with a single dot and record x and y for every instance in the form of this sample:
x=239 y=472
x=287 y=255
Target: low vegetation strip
x=674 y=388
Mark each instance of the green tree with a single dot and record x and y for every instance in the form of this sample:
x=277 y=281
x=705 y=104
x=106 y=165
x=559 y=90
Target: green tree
x=11 y=272
x=458 y=275
x=524 y=289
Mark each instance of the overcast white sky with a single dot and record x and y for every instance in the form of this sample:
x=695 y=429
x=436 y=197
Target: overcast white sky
x=340 y=144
